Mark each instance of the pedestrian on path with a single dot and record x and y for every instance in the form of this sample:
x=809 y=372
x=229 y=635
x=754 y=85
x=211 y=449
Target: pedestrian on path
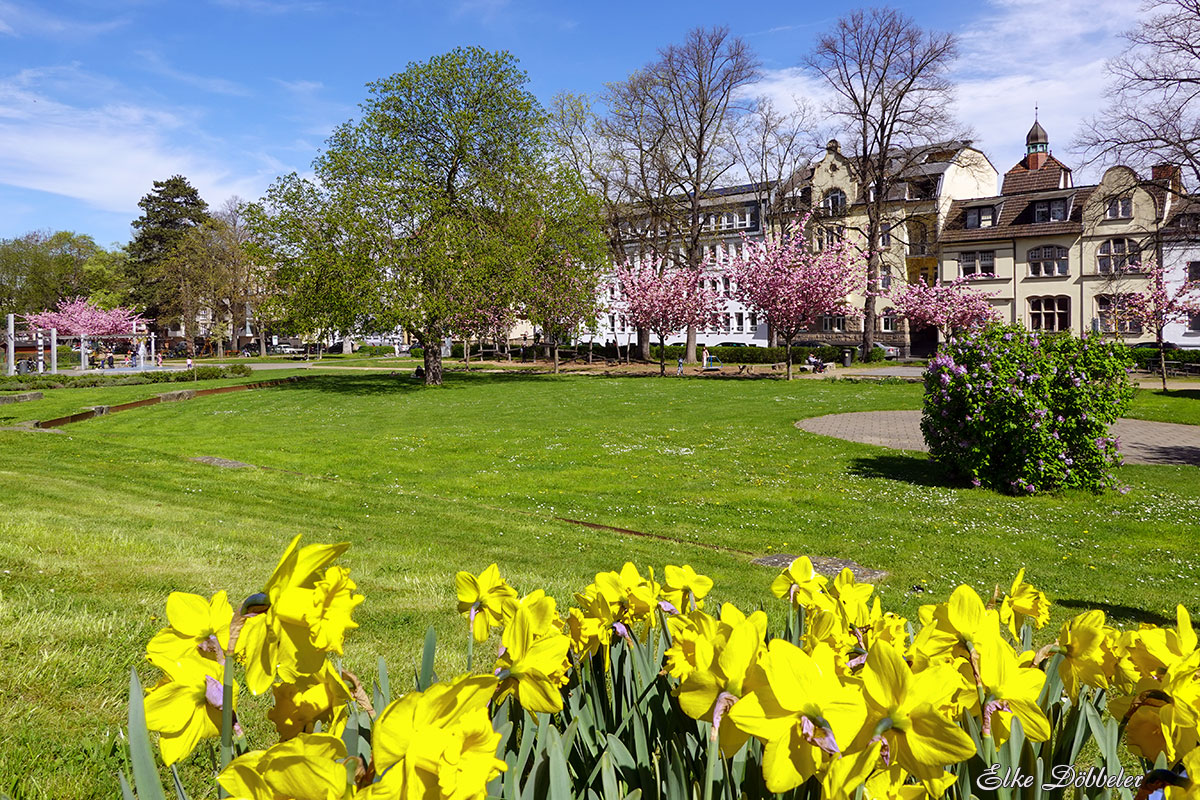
x=706 y=357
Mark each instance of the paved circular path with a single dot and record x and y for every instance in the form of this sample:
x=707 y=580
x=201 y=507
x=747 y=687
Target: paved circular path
x=1141 y=442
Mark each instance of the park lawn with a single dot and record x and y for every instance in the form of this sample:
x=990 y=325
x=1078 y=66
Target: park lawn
x=101 y=522
x=1177 y=405
x=94 y=538
x=63 y=402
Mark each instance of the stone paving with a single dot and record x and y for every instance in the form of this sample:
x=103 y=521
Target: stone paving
x=1141 y=442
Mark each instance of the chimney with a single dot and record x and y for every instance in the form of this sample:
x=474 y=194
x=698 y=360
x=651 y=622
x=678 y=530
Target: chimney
x=1170 y=174
x=1036 y=160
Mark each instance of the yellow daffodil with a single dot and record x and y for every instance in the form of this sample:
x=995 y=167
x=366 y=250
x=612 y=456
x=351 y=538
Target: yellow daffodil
x=270 y=643
x=954 y=629
x=843 y=776
x=1163 y=716
x=196 y=626
x=1012 y=690
x=1086 y=659
x=534 y=664
x=906 y=710
x=482 y=599
x=437 y=743
x=1024 y=602
x=684 y=589
x=185 y=705
x=308 y=767
x=802 y=585
x=891 y=784
x=321 y=613
x=852 y=598
x=801 y=711
x=632 y=599
x=687 y=631
x=726 y=667
x=307 y=699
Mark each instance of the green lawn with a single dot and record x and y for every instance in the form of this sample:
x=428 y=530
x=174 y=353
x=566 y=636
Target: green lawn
x=101 y=522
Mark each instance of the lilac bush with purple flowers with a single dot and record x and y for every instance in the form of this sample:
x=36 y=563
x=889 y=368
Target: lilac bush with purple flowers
x=1022 y=412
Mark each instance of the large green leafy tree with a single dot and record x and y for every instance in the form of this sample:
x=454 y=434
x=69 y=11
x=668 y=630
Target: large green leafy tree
x=425 y=207
x=169 y=212
x=39 y=269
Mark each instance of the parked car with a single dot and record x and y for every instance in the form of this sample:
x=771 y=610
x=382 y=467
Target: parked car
x=1154 y=346
x=730 y=344
x=888 y=350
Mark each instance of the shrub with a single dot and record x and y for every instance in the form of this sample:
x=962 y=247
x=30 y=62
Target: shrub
x=1021 y=412
x=639 y=691
x=1147 y=357
x=759 y=355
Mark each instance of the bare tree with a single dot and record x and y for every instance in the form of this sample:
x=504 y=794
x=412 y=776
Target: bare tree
x=1153 y=113
x=662 y=146
x=891 y=99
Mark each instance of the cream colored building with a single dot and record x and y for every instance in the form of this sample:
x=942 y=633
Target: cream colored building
x=931 y=179
x=1055 y=255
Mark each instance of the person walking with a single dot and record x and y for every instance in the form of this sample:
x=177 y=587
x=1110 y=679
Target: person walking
x=706 y=357
x=679 y=367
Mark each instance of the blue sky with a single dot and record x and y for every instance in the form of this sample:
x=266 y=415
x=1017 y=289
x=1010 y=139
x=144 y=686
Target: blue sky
x=98 y=98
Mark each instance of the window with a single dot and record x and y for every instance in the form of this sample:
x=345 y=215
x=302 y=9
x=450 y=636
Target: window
x=745 y=220
x=885 y=235
x=1050 y=210
x=727 y=222
x=1114 y=315
x=981 y=217
x=1193 y=272
x=1194 y=323
x=1047 y=261
x=829 y=236
x=918 y=239
x=1050 y=313
x=1119 y=208
x=887 y=323
x=754 y=323
x=885 y=278
x=739 y=319
x=835 y=202
x=979 y=262
x=833 y=323
x=1118 y=255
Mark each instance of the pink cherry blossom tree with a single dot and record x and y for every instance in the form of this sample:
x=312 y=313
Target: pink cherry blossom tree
x=666 y=300
x=80 y=317
x=950 y=307
x=1160 y=305
x=789 y=284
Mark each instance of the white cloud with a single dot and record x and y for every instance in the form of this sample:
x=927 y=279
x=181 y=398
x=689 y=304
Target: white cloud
x=159 y=66
x=18 y=20
x=107 y=154
x=1016 y=54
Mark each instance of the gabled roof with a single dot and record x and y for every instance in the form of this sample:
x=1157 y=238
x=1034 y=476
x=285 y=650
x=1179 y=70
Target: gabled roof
x=1022 y=179
x=1014 y=217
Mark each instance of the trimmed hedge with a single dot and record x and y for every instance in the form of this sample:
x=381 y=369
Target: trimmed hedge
x=760 y=355
x=1147 y=357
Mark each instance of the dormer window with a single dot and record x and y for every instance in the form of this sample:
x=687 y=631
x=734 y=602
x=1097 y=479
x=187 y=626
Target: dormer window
x=982 y=217
x=1119 y=208
x=1050 y=210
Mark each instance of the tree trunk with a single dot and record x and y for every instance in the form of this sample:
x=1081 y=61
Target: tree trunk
x=554 y=352
x=432 y=354
x=690 y=354
x=662 y=357
x=220 y=347
x=1162 y=359
x=467 y=352
x=643 y=344
x=262 y=341
x=347 y=345
x=788 y=351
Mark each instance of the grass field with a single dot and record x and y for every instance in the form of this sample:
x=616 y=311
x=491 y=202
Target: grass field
x=101 y=522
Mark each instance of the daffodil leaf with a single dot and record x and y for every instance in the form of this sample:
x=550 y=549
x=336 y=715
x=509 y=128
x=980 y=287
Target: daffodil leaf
x=126 y=792
x=608 y=778
x=145 y=772
x=426 y=678
x=383 y=685
x=559 y=775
